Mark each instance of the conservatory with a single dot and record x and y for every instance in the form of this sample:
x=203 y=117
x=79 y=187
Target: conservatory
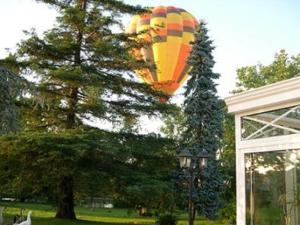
x=267 y=125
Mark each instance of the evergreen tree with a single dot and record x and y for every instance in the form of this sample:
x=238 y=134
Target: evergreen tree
x=12 y=87
x=204 y=117
x=83 y=72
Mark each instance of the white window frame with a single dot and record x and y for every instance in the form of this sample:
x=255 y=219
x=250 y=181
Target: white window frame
x=268 y=98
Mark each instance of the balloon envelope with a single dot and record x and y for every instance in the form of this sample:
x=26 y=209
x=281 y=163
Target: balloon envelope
x=170 y=31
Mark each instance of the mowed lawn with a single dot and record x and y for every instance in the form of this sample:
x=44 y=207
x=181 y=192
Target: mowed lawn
x=44 y=215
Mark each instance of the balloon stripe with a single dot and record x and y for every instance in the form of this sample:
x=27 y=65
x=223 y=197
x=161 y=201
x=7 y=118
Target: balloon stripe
x=174 y=40
x=188 y=23
x=175 y=33
x=149 y=57
x=189 y=29
x=162 y=38
x=158 y=15
x=159 y=39
x=159 y=32
x=171 y=7
x=188 y=37
x=173 y=11
x=183 y=73
x=174 y=26
x=147 y=53
x=161 y=9
x=141 y=24
x=183 y=56
x=174 y=18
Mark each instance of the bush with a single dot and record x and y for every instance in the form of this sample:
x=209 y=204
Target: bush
x=167 y=219
x=228 y=213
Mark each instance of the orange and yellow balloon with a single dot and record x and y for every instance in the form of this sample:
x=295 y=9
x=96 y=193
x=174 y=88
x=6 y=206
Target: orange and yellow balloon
x=170 y=31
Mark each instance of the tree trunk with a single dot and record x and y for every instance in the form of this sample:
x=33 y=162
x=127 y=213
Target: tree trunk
x=65 y=193
x=65 y=199
x=194 y=212
x=22 y=199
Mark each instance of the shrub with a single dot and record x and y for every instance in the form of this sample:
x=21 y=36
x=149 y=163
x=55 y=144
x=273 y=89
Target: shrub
x=167 y=219
x=228 y=213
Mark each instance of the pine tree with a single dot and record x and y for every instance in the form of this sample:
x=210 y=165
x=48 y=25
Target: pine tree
x=12 y=87
x=83 y=72
x=204 y=115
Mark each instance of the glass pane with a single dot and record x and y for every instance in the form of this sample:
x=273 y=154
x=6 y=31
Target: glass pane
x=272 y=188
x=273 y=123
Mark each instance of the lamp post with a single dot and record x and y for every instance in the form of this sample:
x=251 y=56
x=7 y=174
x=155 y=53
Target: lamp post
x=191 y=164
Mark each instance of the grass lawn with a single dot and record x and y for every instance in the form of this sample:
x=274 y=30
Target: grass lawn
x=43 y=215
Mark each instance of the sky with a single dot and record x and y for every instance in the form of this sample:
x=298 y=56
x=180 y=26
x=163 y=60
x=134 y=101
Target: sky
x=244 y=32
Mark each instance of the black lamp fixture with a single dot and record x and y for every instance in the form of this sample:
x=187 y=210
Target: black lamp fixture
x=185 y=159
x=202 y=159
x=191 y=166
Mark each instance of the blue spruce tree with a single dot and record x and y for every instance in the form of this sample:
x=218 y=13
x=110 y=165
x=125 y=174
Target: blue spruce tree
x=204 y=116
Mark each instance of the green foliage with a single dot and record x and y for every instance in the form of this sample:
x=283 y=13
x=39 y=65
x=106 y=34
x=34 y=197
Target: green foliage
x=227 y=160
x=151 y=194
x=83 y=73
x=146 y=182
x=85 y=68
x=100 y=163
x=12 y=87
x=228 y=213
x=174 y=125
x=228 y=165
x=167 y=219
x=283 y=67
x=204 y=117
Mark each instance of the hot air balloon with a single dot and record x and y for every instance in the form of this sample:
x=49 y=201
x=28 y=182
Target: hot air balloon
x=170 y=31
